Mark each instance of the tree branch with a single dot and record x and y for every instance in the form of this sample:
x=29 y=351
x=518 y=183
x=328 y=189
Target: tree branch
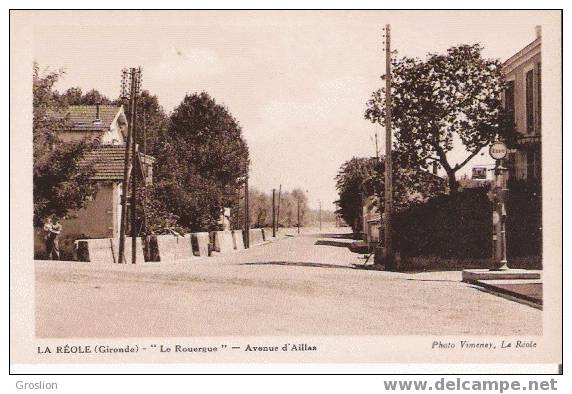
x=441 y=154
x=473 y=154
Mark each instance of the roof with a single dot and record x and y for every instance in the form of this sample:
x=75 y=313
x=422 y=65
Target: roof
x=108 y=161
x=522 y=56
x=84 y=117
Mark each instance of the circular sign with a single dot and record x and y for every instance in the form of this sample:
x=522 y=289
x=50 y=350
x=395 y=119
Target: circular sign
x=498 y=150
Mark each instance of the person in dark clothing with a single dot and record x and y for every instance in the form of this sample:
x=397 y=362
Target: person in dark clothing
x=52 y=228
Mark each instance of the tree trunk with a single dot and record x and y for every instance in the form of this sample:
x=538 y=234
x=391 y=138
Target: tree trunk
x=453 y=184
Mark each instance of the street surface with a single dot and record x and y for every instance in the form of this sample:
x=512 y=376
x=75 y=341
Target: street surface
x=305 y=285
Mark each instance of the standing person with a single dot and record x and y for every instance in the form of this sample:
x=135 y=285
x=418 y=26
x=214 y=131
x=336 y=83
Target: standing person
x=53 y=228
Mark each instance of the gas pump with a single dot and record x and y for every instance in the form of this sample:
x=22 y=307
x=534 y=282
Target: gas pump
x=499 y=197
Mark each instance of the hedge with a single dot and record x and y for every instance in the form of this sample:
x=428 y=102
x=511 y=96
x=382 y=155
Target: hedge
x=456 y=225
x=460 y=225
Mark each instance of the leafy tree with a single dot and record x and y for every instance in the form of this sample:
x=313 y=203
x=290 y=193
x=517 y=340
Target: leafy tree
x=360 y=178
x=201 y=162
x=260 y=208
x=260 y=205
x=298 y=197
x=74 y=96
x=94 y=97
x=159 y=219
x=354 y=182
x=449 y=96
x=289 y=208
x=152 y=122
x=61 y=182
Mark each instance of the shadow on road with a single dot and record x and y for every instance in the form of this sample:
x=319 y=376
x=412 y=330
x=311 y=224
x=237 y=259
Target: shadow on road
x=337 y=236
x=534 y=303
x=433 y=280
x=333 y=243
x=299 y=264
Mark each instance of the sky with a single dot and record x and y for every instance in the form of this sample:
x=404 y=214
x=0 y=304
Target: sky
x=296 y=81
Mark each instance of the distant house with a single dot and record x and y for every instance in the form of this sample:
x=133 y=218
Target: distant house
x=522 y=100
x=107 y=122
x=371 y=217
x=101 y=216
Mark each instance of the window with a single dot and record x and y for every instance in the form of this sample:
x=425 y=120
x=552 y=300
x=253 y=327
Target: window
x=530 y=101
x=509 y=101
x=533 y=164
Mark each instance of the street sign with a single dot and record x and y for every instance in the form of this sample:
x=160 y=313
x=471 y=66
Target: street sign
x=498 y=150
x=479 y=173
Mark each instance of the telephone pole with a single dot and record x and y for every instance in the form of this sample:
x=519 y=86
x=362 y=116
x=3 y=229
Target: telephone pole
x=278 y=211
x=320 y=213
x=273 y=212
x=128 y=168
x=144 y=183
x=298 y=200
x=387 y=249
x=134 y=168
x=246 y=213
x=237 y=225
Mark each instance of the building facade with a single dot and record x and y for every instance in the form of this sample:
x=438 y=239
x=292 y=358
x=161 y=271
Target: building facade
x=523 y=102
x=101 y=216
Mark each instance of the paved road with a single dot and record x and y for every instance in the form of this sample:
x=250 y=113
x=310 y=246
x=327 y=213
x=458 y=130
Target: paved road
x=305 y=285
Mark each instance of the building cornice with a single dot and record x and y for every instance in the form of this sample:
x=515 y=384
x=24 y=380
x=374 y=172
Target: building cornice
x=522 y=56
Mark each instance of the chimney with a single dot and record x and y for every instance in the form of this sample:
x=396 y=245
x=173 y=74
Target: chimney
x=97 y=118
x=538 y=30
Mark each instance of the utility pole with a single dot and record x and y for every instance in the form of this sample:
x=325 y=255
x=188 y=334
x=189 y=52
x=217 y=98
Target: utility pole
x=144 y=183
x=246 y=213
x=298 y=200
x=387 y=250
x=134 y=154
x=237 y=221
x=279 y=200
x=320 y=213
x=134 y=81
x=273 y=212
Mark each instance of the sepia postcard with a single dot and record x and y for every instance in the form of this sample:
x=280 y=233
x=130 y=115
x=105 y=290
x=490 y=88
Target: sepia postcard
x=295 y=187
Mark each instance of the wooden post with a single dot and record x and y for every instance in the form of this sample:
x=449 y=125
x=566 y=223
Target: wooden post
x=320 y=213
x=246 y=213
x=124 y=183
x=237 y=218
x=273 y=212
x=387 y=249
x=279 y=200
x=144 y=174
x=298 y=200
x=134 y=153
